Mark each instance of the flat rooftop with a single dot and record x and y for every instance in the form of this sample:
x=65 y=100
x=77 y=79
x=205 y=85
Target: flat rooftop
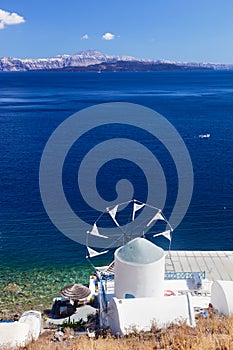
x=218 y=265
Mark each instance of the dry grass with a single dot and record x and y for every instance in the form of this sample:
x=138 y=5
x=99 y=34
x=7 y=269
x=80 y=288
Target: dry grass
x=212 y=333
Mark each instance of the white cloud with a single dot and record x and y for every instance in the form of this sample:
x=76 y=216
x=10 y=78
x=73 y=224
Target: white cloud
x=85 y=37
x=108 y=36
x=7 y=18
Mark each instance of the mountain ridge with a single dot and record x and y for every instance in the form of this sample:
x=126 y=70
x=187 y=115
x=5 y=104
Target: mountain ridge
x=90 y=59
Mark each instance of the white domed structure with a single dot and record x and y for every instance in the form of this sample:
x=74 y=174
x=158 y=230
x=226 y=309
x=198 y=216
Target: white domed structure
x=139 y=270
x=222 y=297
x=126 y=315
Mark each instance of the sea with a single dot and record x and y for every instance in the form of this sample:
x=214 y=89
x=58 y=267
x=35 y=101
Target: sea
x=33 y=104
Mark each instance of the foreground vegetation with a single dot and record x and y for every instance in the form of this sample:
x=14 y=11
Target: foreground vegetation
x=211 y=333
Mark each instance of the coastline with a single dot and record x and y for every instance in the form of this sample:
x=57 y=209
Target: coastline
x=35 y=288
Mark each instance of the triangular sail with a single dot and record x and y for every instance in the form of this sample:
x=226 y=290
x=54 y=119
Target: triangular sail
x=92 y=252
x=112 y=213
x=166 y=234
x=126 y=232
x=158 y=216
x=95 y=232
x=136 y=207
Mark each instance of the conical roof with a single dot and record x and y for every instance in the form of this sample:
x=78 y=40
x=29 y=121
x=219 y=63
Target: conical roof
x=139 y=251
x=75 y=291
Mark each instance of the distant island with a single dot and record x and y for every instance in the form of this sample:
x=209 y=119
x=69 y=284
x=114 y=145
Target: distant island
x=95 y=61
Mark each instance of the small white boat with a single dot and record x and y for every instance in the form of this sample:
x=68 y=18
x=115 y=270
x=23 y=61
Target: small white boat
x=204 y=136
x=19 y=333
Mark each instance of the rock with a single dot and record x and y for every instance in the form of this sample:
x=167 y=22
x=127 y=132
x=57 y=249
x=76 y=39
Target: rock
x=12 y=288
x=58 y=336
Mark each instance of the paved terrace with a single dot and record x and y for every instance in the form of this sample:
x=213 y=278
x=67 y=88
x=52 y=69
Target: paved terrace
x=218 y=265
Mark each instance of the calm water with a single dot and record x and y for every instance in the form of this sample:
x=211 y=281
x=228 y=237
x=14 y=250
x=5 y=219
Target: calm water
x=32 y=105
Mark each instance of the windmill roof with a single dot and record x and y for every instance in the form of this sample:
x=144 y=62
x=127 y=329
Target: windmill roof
x=140 y=251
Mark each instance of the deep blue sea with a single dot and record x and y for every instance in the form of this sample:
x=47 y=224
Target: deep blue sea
x=33 y=104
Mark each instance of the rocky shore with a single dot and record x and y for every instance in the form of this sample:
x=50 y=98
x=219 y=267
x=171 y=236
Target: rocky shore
x=35 y=289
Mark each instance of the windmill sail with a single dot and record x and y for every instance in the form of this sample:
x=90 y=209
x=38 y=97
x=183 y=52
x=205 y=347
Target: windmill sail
x=136 y=207
x=121 y=234
x=158 y=216
x=166 y=234
x=92 y=252
x=112 y=213
x=95 y=232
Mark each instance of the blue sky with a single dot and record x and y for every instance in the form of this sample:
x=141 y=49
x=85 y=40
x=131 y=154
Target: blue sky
x=180 y=30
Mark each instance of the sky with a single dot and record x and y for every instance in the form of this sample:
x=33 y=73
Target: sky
x=177 y=30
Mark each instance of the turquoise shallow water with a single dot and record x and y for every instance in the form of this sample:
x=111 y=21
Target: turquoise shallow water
x=33 y=104
x=35 y=288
